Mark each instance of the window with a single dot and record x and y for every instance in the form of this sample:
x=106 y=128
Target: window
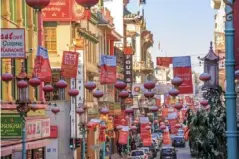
x=50 y=39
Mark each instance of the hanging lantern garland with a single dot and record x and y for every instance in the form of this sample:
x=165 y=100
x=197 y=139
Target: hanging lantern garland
x=120 y=85
x=124 y=94
x=38 y=4
x=176 y=81
x=34 y=82
x=90 y=85
x=87 y=4
x=7 y=77
x=149 y=85
x=48 y=88
x=98 y=94
x=80 y=111
x=61 y=84
x=205 y=77
x=73 y=92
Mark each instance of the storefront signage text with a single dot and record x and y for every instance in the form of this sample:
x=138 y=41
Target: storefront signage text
x=11 y=126
x=12 y=43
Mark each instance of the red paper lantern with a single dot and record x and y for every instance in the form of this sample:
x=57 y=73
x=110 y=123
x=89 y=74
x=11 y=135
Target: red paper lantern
x=148 y=127
x=80 y=111
x=122 y=120
x=22 y=84
x=38 y=4
x=136 y=121
x=173 y=92
x=6 y=77
x=73 y=92
x=129 y=110
x=87 y=3
x=205 y=77
x=111 y=118
x=127 y=117
x=161 y=123
x=150 y=123
x=90 y=85
x=55 y=110
x=162 y=127
x=104 y=111
x=178 y=106
x=154 y=108
x=120 y=85
x=149 y=85
x=204 y=102
x=89 y=125
x=148 y=94
x=103 y=127
x=124 y=94
x=34 y=107
x=156 y=121
x=237 y=74
x=34 y=82
x=48 y=88
x=177 y=126
x=176 y=81
x=133 y=128
x=61 y=84
x=98 y=93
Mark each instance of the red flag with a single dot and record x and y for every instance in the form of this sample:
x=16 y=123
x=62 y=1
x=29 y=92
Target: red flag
x=107 y=74
x=123 y=137
x=42 y=68
x=69 y=64
x=164 y=61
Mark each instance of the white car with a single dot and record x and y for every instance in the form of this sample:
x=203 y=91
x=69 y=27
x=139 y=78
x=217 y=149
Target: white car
x=180 y=132
x=138 y=154
x=146 y=150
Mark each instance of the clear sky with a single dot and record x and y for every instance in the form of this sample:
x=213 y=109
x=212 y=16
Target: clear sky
x=183 y=27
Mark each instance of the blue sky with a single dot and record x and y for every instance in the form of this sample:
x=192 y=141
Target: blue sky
x=183 y=27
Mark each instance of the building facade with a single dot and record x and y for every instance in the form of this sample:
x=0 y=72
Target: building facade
x=16 y=14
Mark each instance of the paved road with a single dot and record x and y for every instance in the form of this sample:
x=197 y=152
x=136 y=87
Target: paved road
x=182 y=153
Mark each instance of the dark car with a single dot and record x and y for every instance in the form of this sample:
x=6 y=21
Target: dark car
x=168 y=153
x=178 y=141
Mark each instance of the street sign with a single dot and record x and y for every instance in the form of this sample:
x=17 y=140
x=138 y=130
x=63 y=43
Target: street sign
x=11 y=126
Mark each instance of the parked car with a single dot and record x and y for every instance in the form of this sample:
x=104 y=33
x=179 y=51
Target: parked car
x=152 y=148
x=138 y=154
x=178 y=141
x=147 y=151
x=168 y=153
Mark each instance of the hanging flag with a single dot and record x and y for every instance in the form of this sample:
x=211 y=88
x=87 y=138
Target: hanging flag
x=123 y=137
x=182 y=68
x=69 y=64
x=42 y=68
x=108 y=69
x=164 y=61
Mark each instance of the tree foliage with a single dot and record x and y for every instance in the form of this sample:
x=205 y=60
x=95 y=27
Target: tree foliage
x=207 y=127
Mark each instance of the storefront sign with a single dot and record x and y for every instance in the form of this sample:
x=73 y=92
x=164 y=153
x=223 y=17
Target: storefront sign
x=79 y=100
x=69 y=64
x=13 y=43
x=128 y=75
x=63 y=10
x=11 y=126
x=236 y=36
x=38 y=128
x=54 y=131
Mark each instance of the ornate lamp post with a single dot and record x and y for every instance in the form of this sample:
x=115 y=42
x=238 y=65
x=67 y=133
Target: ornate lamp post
x=23 y=101
x=154 y=110
x=82 y=128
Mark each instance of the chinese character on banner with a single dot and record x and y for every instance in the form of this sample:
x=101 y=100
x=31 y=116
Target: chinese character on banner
x=69 y=64
x=164 y=61
x=123 y=137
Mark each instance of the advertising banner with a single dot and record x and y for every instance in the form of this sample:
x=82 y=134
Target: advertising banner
x=236 y=36
x=164 y=61
x=42 y=68
x=123 y=137
x=69 y=64
x=38 y=128
x=13 y=43
x=182 y=69
x=108 y=69
x=63 y=10
x=11 y=126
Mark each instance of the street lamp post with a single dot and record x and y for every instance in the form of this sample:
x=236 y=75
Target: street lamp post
x=230 y=95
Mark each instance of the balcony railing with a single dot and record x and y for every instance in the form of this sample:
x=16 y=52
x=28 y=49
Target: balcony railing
x=143 y=66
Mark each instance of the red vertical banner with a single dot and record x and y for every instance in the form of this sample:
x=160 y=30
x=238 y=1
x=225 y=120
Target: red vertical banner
x=182 y=68
x=158 y=101
x=108 y=69
x=69 y=64
x=123 y=137
x=236 y=36
x=102 y=136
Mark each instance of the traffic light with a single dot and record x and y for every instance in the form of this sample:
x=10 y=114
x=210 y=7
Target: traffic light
x=78 y=143
x=71 y=143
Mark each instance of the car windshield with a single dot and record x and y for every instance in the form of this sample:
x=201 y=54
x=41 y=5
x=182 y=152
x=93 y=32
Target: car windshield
x=178 y=139
x=168 y=150
x=137 y=153
x=145 y=150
